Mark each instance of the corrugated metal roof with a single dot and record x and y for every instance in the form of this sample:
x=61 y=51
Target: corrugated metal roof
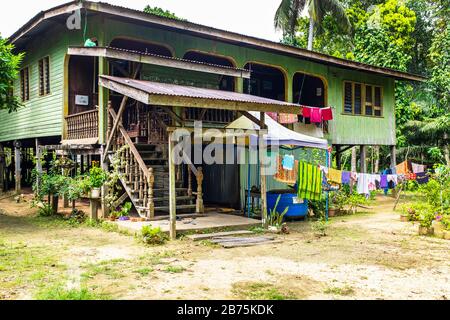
x=166 y=89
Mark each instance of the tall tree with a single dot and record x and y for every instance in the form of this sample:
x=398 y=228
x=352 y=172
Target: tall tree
x=9 y=69
x=290 y=11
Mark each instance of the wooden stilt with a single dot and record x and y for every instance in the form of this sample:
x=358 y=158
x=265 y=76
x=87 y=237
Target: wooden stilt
x=262 y=164
x=2 y=169
x=199 y=204
x=151 y=202
x=18 y=169
x=338 y=157
x=38 y=164
x=353 y=163
x=172 y=191
x=104 y=205
x=363 y=157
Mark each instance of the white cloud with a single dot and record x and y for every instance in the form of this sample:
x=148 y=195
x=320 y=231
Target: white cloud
x=250 y=17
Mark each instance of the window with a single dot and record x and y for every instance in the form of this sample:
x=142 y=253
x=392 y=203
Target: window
x=44 y=76
x=362 y=99
x=25 y=84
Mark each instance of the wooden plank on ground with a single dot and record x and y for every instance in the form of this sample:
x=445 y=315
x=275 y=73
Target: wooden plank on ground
x=240 y=245
x=206 y=236
x=222 y=240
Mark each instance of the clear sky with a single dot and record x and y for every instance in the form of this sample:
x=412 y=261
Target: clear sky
x=250 y=17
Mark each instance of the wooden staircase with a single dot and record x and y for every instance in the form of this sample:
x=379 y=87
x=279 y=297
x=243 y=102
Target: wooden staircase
x=144 y=174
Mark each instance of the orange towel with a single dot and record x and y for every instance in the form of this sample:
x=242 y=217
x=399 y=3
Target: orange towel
x=402 y=168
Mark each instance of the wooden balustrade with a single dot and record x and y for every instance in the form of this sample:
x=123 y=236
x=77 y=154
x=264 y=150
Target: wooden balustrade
x=82 y=125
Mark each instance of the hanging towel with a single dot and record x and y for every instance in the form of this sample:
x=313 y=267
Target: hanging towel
x=335 y=175
x=372 y=182
x=306 y=112
x=309 y=181
x=288 y=162
x=327 y=114
x=422 y=177
x=354 y=176
x=411 y=176
x=383 y=182
x=287 y=118
x=273 y=115
x=417 y=168
x=402 y=168
x=316 y=115
x=345 y=177
x=363 y=183
x=286 y=176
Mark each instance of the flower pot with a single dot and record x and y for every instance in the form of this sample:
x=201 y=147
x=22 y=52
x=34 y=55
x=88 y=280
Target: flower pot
x=404 y=218
x=95 y=193
x=425 y=231
x=332 y=212
x=112 y=219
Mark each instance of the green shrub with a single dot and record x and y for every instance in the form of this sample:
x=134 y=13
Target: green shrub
x=275 y=219
x=355 y=200
x=153 y=236
x=320 y=227
x=97 y=177
x=426 y=218
x=45 y=210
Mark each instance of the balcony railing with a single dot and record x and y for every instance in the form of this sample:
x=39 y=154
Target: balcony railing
x=82 y=125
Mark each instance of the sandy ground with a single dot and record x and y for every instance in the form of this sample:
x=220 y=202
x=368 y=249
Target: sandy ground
x=365 y=256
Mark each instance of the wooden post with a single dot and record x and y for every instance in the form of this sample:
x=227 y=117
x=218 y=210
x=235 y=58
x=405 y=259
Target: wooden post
x=353 y=164
x=38 y=164
x=393 y=157
x=2 y=169
x=199 y=204
x=18 y=170
x=93 y=212
x=172 y=192
x=262 y=164
x=338 y=157
x=189 y=181
x=151 y=202
x=105 y=208
x=363 y=163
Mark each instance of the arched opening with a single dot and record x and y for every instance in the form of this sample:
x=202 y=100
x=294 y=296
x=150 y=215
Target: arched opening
x=309 y=90
x=225 y=83
x=268 y=82
x=141 y=46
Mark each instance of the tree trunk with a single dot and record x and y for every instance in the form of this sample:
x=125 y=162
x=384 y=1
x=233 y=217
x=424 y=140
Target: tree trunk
x=311 y=34
x=446 y=150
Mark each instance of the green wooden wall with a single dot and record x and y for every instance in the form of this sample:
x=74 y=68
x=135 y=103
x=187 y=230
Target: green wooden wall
x=43 y=116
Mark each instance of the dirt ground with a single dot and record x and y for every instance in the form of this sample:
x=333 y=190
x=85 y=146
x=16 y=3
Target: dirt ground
x=369 y=255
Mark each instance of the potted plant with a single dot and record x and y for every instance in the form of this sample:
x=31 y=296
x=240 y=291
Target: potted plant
x=425 y=223
x=339 y=200
x=275 y=219
x=97 y=177
x=113 y=216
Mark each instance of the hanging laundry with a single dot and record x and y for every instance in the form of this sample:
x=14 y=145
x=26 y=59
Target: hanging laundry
x=306 y=112
x=422 y=177
x=327 y=114
x=309 y=181
x=324 y=170
x=273 y=115
x=372 y=182
x=411 y=176
x=286 y=176
x=363 y=183
x=287 y=118
x=354 y=176
x=288 y=162
x=392 y=178
x=384 y=182
x=316 y=116
x=335 y=175
x=345 y=177
x=417 y=168
x=402 y=168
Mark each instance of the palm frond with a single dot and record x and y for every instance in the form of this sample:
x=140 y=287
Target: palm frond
x=337 y=10
x=288 y=14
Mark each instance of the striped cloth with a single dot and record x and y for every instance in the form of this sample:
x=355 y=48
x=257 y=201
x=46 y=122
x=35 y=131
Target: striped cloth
x=309 y=181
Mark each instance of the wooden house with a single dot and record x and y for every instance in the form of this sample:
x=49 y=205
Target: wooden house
x=139 y=81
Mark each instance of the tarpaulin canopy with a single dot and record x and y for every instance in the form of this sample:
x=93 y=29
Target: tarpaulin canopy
x=277 y=134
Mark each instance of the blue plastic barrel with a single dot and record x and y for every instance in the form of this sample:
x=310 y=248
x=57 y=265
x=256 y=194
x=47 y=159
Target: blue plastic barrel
x=298 y=208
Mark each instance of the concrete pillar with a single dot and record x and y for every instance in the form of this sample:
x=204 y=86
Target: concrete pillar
x=18 y=169
x=393 y=157
x=363 y=157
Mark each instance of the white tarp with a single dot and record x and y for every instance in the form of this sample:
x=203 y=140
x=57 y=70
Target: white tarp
x=277 y=133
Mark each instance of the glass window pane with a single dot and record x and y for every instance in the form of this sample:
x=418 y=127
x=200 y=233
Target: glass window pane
x=348 y=98
x=378 y=96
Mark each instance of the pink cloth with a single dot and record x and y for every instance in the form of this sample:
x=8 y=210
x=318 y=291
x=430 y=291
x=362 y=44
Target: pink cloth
x=327 y=114
x=306 y=112
x=316 y=116
x=273 y=115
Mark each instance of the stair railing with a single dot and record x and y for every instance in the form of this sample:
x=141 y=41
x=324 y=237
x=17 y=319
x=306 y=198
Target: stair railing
x=138 y=179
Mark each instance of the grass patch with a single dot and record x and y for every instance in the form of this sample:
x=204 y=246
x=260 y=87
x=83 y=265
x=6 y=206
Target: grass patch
x=60 y=293
x=144 y=271
x=174 y=269
x=261 y=291
x=340 y=291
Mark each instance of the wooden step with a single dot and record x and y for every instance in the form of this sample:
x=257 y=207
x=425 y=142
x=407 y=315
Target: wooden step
x=206 y=236
x=183 y=198
x=182 y=207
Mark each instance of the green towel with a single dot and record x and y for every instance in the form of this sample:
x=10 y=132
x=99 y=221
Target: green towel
x=309 y=182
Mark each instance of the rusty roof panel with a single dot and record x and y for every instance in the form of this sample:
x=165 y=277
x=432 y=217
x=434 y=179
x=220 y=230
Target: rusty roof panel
x=166 y=89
